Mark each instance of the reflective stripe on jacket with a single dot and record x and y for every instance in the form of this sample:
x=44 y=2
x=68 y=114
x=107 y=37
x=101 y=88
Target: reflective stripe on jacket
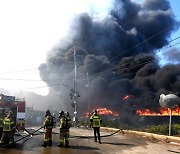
x=8 y=124
x=1 y=120
x=48 y=122
x=95 y=120
x=63 y=123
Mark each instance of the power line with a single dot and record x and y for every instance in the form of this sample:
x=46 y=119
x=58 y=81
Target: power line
x=40 y=87
x=136 y=45
x=18 y=79
x=146 y=62
x=16 y=71
x=111 y=11
x=110 y=73
x=115 y=66
x=32 y=80
x=123 y=4
x=101 y=73
x=125 y=24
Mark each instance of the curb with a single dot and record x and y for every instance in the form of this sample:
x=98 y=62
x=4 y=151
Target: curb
x=145 y=134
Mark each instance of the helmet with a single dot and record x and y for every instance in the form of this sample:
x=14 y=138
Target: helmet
x=48 y=112
x=95 y=111
x=67 y=113
x=61 y=112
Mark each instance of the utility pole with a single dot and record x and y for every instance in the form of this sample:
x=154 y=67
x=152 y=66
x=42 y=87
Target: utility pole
x=75 y=87
x=74 y=94
x=170 y=121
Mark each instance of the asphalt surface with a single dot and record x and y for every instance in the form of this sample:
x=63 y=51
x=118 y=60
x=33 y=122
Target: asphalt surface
x=116 y=144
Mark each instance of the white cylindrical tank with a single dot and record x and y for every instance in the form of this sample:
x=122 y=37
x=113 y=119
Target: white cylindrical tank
x=170 y=101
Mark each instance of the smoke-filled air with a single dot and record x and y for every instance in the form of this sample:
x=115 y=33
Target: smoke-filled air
x=116 y=56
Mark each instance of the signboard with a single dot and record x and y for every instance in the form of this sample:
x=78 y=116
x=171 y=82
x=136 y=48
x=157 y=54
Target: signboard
x=7 y=98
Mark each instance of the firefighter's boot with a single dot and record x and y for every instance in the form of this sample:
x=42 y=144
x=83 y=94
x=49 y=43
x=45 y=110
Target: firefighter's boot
x=60 y=145
x=66 y=143
x=50 y=142
x=44 y=144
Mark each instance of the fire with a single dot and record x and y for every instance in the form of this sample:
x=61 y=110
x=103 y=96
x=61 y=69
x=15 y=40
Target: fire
x=103 y=111
x=162 y=112
x=127 y=97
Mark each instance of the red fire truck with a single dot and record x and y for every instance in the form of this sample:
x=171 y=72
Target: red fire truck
x=17 y=107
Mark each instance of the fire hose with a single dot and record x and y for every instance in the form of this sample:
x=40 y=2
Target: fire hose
x=102 y=135
x=86 y=137
x=71 y=136
x=30 y=134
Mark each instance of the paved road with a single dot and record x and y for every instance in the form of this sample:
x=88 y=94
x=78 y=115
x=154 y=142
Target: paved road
x=117 y=144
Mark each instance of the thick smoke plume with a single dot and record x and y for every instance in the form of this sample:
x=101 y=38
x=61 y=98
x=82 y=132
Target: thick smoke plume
x=118 y=54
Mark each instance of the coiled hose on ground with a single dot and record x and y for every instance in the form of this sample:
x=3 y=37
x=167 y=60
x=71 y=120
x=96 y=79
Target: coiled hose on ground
x=71 y=136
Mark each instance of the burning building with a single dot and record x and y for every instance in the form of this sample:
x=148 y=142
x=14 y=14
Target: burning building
x=119 y=54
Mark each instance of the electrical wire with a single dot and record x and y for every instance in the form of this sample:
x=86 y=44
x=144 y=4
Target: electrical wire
x=17 y=71
x=170 y=46
x=99 y=75
x=135 y=46
x=92 y=48
x=134 y=66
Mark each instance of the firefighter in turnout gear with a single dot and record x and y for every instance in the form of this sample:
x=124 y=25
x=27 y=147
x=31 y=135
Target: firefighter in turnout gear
x=8 y=130
x=2 y=116
x=64 y=130
x=48 y=125
x=95 y=121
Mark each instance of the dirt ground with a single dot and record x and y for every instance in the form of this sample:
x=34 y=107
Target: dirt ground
x=116 y=144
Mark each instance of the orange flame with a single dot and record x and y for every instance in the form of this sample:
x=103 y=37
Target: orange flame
x=127 y=97
x=162 y=112
x=103 y=111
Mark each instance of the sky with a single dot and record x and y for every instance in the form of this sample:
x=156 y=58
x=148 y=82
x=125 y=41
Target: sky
x=176 y=34
x=31 y=28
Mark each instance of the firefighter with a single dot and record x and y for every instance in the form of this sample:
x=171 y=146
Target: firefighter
x=2 y=116
x=48 y=125
x=64 y=130
x=8 y=130
x=95 y=122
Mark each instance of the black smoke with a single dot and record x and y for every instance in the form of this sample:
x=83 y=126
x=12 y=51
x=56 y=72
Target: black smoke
x=149 y=79
x=118 y=54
